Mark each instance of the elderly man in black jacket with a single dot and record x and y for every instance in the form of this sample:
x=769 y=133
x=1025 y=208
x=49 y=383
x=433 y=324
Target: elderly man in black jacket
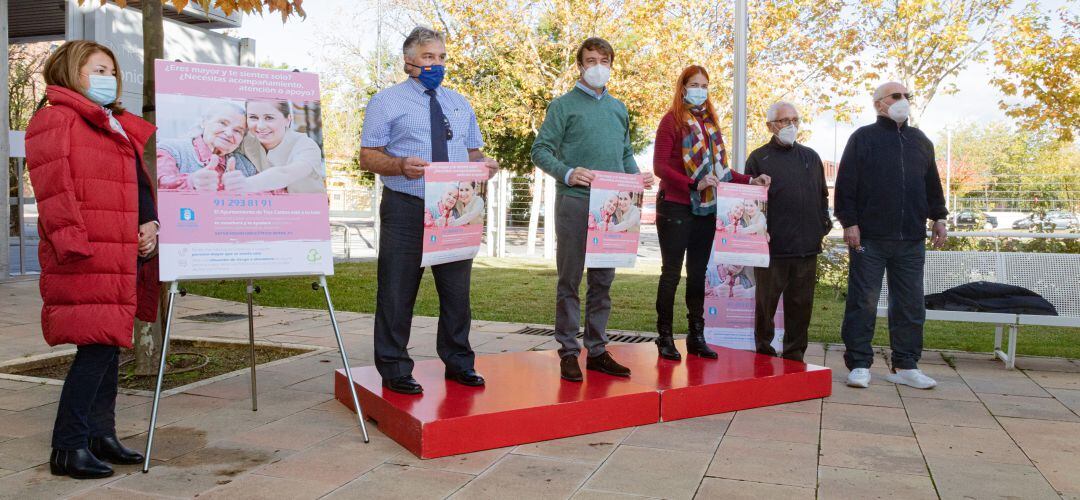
x=798 y=217
x=887 y=189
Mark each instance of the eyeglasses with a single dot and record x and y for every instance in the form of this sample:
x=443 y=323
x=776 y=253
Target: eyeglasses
x=787 y=121
x=896 y=96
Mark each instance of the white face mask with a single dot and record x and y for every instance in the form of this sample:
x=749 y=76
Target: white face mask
x=900 y=110
x=787 y=135
x=597 y=76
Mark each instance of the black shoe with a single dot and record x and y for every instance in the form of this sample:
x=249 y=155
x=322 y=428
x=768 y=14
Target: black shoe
x=403 y=385
x=569 y=368
x=79 y=464
x=604 y=363
x=666 y=344
x=468 y=377
x=110 y=449
x=695 y=344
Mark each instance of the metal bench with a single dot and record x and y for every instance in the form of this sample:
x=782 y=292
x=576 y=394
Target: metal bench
x=1054 y=276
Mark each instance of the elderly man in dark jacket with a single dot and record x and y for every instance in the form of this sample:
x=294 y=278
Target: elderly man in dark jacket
x=886 y=190
x=798 y=217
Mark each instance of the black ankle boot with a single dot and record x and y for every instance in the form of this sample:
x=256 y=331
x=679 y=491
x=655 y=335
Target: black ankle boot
x=109 y=449
x=665 y=344
x=79 y=464
x=695 y=341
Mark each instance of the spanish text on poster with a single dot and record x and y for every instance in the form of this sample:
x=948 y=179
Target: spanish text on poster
x=729 y=308
x=614 y=220
x=741 y=232
x=241 y=177
x=454 y=210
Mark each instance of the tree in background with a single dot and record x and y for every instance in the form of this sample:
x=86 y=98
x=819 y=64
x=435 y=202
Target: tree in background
x=1044 y=69
x=922 y=43
x=1014 y=166
x=513 y=57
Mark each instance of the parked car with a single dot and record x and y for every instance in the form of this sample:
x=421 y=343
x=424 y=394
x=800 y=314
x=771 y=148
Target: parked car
x=1063 y=219
x=1050 y=221
x=968 y=220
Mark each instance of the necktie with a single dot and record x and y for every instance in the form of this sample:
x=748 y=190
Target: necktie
x=438 y=129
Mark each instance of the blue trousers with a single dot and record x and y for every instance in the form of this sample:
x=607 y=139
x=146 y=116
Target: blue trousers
x=902 y=262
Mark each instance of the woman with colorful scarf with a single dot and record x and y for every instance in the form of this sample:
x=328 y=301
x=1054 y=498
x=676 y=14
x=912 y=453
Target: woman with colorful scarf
x=690 y=160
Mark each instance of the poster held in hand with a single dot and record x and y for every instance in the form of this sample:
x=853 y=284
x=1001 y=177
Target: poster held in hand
x=454 y=210
x=614 y=225
x=741 y=231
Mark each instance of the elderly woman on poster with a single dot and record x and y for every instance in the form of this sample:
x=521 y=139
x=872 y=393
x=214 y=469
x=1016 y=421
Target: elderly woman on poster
x=199 y=160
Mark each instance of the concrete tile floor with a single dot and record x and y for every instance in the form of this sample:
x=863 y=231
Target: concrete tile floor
x=983 y=433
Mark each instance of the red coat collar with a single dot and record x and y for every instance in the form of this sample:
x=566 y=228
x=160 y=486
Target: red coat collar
x=137 y=129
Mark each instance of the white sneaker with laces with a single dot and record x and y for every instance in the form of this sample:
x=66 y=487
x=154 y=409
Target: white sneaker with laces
x=859 y=377
x=913 y=378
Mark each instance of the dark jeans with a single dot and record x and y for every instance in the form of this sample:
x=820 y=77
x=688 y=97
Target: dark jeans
x=682 y=233
x=903 y=262
x=88 y=401
x=793 y=279
x=400 y=250
x=572 y=222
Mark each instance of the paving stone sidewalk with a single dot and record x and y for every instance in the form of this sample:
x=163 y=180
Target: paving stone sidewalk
x=984 y=432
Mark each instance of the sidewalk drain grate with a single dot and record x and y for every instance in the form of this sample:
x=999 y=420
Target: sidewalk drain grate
x=216 y=317
x=625 y=339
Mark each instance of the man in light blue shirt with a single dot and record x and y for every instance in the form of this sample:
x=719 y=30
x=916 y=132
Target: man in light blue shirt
x=406 y=127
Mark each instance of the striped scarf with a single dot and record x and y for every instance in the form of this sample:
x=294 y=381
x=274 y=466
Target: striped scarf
x=700 y=150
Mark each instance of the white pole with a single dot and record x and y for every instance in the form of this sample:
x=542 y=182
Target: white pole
x=549 y=217
x=5 y=150
x=738 y=125
x=504 y=202
x=948 y=168
x=534 y=210
x=492 y=199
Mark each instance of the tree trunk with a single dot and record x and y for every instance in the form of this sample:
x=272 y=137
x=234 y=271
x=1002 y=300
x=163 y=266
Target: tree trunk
x=148 y=336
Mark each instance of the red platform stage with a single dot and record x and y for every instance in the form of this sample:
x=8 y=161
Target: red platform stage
x=526 y=401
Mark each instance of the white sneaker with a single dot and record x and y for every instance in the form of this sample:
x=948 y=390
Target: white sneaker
x=914 y=378
x=859 y=377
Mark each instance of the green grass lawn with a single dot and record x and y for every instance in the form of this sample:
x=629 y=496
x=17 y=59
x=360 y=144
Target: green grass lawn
x=523 y=291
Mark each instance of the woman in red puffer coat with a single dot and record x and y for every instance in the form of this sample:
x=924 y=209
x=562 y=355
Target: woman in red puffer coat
x=98 y=224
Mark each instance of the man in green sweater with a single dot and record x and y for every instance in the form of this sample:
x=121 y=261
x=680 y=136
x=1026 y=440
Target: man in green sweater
x=585 y=129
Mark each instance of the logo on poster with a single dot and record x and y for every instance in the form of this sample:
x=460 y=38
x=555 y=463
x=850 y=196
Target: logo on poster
x=313 y=256
x=712 y=311
x=187 y=215
x=434 y=238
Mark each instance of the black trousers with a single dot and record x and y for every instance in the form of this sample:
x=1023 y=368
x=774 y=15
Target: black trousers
x=399 y=273
x=88 y=401
x=682 y=234
x=794 y=278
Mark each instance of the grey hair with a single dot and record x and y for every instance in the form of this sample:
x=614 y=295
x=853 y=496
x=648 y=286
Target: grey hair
x=879 y=93
x=775 y=108
x=420 y=35
x=211 y=110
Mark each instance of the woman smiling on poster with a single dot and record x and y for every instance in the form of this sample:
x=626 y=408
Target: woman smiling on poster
x=199 y=160
x=627 y=216
x=469 y=209
x=286 y=160
x=752 y=218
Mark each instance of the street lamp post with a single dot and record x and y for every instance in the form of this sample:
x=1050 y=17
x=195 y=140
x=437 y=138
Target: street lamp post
x=948 y=168
x=738 y=125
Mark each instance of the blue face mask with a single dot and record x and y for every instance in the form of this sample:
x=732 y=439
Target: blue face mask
x=102 y=89
x=696 y=96
x=430 y=76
